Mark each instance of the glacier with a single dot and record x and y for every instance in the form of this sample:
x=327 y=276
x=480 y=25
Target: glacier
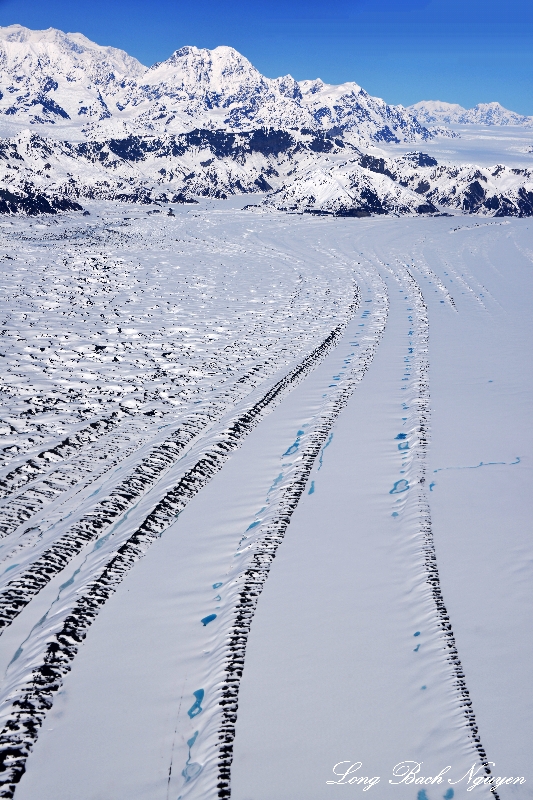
x=262 y=467
x=265 y=469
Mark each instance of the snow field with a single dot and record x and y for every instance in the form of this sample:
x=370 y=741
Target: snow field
x=344 y=642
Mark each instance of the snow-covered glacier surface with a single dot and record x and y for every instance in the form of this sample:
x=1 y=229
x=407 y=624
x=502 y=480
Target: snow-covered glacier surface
x=265 y=493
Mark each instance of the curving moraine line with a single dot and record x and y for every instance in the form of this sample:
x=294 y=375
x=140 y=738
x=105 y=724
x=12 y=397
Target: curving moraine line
x=80 y=469
x=22 y=507
x=426 y=530
x=35 y=697
x=39 y=464
x=256 y=573
x=18 y=592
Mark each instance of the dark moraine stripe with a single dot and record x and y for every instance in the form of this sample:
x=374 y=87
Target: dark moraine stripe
x=257 y=572
x=37 y=695
x=41 y=463
x=19 y=591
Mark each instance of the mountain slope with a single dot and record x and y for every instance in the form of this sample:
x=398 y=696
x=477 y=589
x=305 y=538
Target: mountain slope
x=91 y=122
x=48 y=77
x=347 y=108
x=64 y=81
x=216 y=88
x=413 y=183
x=302 y=172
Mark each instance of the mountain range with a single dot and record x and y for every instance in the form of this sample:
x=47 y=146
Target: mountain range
x=435 y=112
x=85 y=121
x=53 y=79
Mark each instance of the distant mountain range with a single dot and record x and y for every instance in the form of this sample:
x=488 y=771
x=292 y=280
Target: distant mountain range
x=83 y=121
x=435 y=112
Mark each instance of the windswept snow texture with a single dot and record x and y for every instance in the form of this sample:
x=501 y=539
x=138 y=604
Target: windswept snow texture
x=264 y=504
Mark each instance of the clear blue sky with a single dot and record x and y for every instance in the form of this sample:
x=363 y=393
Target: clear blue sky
x=464 y=51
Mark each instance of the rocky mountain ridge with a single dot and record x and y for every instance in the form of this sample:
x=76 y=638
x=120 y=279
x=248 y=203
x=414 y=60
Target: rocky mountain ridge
x=54 y=80
x=285 y=170
x=90 y=122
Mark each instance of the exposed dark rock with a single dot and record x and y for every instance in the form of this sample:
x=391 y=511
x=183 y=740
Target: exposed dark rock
x=270 y=142
x=376 y=165
x=50 y=106
x=525 y=203
x=353 y=212
x=130 y=149
x=182 y=198
x=492 y=203
x=473 y=197
x=421 y=160
x=321 y=144
x=427 y=208
x=423 y=187
x=262 y=184
x=386 y=135
x=33 y=203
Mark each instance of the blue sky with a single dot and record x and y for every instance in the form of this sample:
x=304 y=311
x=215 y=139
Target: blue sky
x=464 y=51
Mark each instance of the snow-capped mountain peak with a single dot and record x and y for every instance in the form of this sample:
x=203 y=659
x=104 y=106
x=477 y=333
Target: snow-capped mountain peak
x=445 y=113
x=50 y=78
x=437 y=112
x=347 y=107
x=496 y=114
x=193 y=69
x=23 y=50
x=207 y=122
x=215 y=88
x=288 y=87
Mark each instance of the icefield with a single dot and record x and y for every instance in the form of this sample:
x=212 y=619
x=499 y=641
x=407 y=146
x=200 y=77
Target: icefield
x=265 y=487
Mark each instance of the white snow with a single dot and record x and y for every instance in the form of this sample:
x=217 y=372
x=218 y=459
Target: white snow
x=436 y=112
x=332 y=668
x=86 y=121
x=70 y=87
x=265 y=471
